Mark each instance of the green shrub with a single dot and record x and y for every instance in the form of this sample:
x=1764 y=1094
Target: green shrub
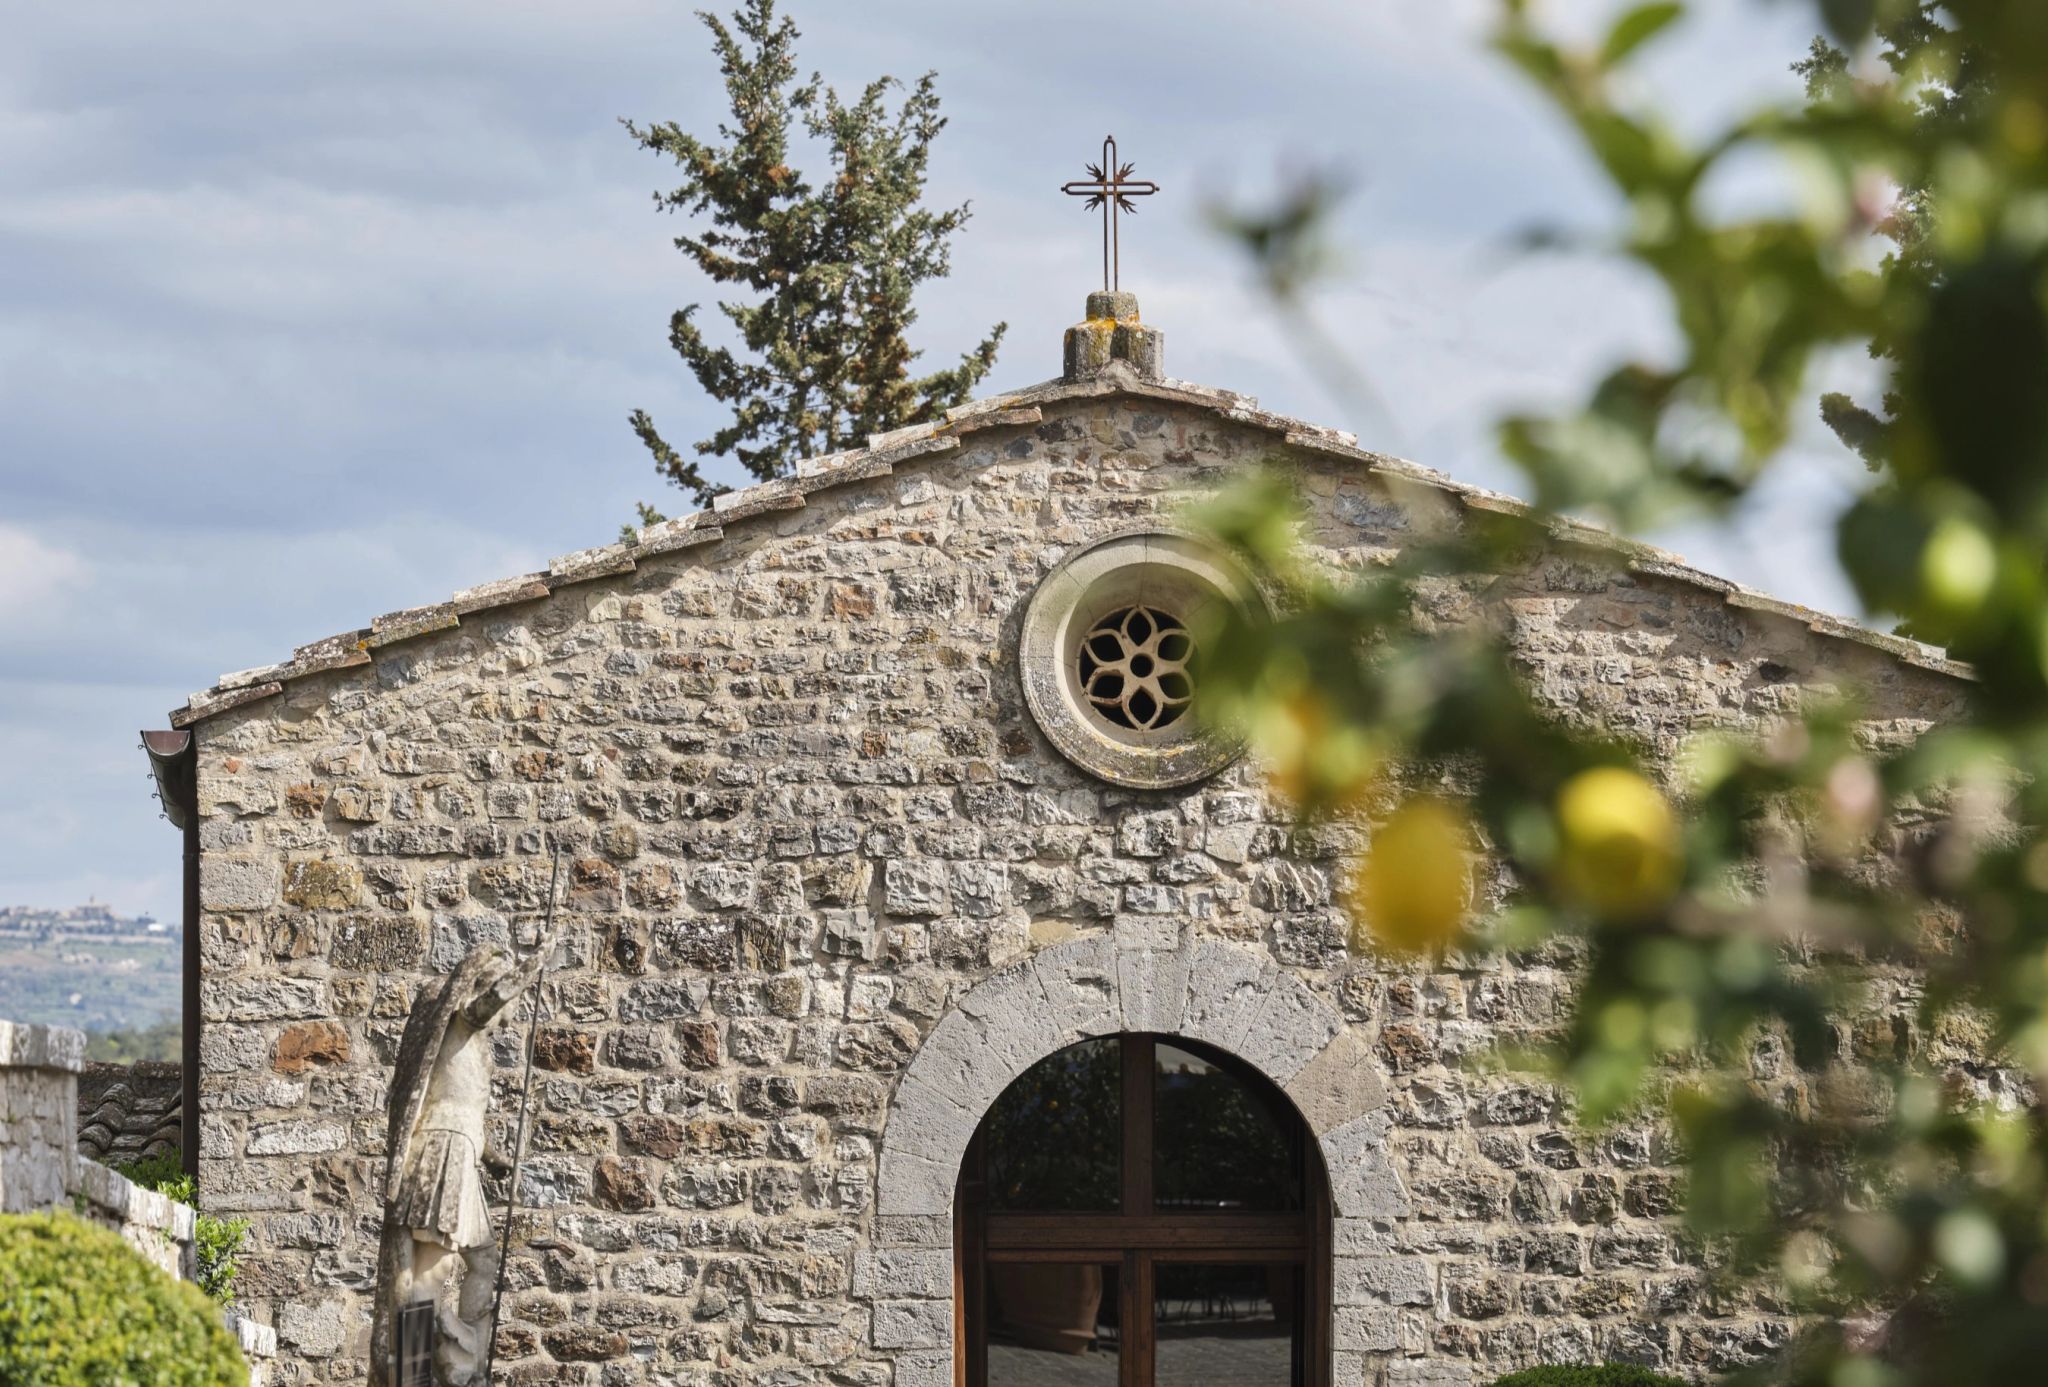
x=81 y=1308
x=1595 y=1375
x=216 y=1242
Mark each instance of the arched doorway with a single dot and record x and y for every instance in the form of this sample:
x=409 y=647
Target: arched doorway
x=1143 y=1210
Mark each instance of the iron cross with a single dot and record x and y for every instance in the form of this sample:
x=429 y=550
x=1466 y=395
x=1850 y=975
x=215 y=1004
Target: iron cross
x=1109 y=185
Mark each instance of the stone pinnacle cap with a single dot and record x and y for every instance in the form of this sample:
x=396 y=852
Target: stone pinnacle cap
x=1111 y=333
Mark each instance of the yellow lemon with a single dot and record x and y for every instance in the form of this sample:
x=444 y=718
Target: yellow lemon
x=1416 y=883
x=1618 y=847
x=1958 y=568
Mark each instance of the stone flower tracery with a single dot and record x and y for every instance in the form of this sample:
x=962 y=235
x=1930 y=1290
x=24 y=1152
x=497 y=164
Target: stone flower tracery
x=1108 y=655
x=1134 y=667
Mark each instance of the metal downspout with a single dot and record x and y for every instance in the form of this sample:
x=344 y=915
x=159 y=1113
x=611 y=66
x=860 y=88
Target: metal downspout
x=174 y=761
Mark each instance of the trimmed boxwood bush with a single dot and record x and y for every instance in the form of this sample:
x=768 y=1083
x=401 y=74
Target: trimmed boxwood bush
x=81 y=1308
x=1595 y=1375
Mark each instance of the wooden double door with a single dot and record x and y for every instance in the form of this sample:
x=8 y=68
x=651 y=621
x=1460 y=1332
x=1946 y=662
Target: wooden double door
x=1143 y=1211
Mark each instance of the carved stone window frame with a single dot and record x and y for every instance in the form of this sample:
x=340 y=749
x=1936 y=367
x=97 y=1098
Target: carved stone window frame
x=1165 y=569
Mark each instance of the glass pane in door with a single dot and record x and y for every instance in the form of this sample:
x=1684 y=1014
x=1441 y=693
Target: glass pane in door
x=1217 y=1143
x=1054 y=1140
x=1053 y=1324
x=1221 y=1325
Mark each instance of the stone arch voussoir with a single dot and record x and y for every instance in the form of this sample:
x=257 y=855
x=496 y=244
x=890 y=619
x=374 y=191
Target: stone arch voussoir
x=1235 y=998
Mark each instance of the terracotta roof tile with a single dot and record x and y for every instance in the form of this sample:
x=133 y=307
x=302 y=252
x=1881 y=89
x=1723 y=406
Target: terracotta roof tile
x=129 y=1111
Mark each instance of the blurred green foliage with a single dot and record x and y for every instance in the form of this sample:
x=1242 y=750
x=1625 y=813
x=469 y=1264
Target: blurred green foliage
x=163 y=1040
x=1741 y=894
x=81 y=1308
x=217 y=1242
x=1907 y=39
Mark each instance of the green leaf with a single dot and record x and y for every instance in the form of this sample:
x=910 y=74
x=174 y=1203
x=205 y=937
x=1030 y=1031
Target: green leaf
x=1636 y=28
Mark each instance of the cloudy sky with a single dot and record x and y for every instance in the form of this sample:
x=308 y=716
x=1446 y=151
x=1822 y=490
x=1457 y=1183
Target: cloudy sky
x=312 y=312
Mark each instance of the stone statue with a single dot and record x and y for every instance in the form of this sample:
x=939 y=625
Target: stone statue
x=438 y=1243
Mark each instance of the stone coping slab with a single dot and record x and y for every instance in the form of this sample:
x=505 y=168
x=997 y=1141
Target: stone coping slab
x=41 y=1047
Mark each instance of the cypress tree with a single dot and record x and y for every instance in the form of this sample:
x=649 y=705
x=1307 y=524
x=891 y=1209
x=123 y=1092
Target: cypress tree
x=830 y=270
x=1952 y=87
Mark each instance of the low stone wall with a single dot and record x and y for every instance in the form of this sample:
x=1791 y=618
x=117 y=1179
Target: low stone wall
x=41 y=1168
x=38 y=1114
x=157 y=1226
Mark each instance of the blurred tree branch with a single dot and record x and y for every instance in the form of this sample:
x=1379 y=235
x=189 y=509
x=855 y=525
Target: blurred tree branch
x=1743 y=894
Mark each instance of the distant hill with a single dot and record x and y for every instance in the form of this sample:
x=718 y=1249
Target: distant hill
x=91 y=968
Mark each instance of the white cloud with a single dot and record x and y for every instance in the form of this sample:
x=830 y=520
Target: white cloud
x=312 y=313
x=35 y=577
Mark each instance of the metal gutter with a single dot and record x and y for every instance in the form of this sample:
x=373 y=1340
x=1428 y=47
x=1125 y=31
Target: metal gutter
x=174 y=761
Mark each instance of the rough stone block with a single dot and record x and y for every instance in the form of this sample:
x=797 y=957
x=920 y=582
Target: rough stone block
x=1366 y=1329
x=261 y=999
x=237 y=884
x=41 y=1047
x=926 y=1121
x=724 y=885
x=300 y=1047
x=923 y=1368
x=912 y=1324
x=378 y=944
x=1154 y=988
x=980 y=889
x=1082 y=991
x=1292 y=1026
x=297 y=1137
x=910 y=1185
x=913 y=887
x=931 y=1232
x=314 y=1329
x=1363 y=1182
x=322 y=884
x=902 y=1274
x=1383 y=1279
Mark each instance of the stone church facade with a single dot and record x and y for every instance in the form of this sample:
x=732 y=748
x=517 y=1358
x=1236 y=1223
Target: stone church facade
x=840 y=866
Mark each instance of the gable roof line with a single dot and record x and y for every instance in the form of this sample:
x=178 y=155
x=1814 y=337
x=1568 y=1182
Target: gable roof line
x=880 y=457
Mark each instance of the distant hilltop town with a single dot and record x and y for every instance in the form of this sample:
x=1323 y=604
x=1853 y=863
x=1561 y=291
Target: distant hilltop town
x=92 y=920
x=90 y=967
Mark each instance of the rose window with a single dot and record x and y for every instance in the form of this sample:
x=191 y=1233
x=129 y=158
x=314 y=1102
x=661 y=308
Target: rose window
x=1134 y=667
x=1107 y=655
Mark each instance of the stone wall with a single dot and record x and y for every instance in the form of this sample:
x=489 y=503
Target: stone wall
x=807 y=818
x=38 y=1115
x=41 y=1168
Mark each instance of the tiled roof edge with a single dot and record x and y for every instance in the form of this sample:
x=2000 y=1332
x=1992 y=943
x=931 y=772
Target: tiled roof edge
x=883 y=452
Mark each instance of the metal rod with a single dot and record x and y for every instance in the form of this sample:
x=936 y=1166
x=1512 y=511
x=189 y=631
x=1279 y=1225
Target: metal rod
x=1109 y=185
x=1116 y=274
x=547 y=935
